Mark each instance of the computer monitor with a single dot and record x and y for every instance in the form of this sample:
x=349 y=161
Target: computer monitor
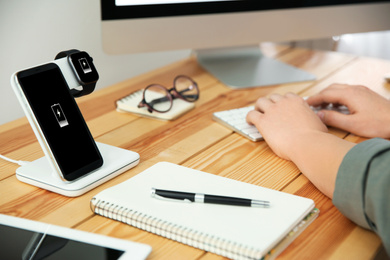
x=225 y=34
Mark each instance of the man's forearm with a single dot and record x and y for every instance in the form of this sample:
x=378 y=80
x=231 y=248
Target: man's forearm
x=319 y=155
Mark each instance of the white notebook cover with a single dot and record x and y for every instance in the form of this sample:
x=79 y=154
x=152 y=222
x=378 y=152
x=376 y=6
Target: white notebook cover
x=255 y=230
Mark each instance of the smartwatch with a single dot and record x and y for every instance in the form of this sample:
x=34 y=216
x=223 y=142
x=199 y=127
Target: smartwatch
x=78 y=70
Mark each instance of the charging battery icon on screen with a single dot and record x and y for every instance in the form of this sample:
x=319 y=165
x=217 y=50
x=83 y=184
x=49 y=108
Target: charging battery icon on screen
x=85 y=65
x=59 y=114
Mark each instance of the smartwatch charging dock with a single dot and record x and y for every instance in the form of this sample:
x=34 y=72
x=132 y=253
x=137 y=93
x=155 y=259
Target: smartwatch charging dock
x=39 y=172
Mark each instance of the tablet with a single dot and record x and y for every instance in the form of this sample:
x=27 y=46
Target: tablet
x=27 y=239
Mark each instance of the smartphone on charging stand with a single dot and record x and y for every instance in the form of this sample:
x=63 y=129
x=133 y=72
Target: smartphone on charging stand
x=57 y=121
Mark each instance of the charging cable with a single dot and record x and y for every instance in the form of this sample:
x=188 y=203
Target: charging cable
x=13 y=161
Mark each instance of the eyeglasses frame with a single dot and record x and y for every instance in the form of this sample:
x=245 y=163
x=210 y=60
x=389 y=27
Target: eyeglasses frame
x=172 y=94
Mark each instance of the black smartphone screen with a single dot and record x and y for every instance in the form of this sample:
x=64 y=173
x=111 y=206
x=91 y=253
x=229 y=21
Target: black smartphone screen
x=60 y=120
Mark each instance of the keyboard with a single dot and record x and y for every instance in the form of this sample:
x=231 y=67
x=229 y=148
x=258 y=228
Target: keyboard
x=235 y=119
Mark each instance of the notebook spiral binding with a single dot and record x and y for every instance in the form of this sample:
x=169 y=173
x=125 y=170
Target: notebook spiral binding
x=175 y=232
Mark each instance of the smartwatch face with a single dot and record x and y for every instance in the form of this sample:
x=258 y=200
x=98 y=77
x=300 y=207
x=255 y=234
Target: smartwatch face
x=60 y=120
x=83 y=66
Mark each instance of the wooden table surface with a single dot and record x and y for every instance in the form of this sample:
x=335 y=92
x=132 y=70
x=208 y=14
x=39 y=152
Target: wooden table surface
x=196 y=141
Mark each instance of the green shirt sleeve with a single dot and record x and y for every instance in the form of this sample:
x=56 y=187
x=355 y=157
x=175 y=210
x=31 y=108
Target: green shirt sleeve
x=362 y=191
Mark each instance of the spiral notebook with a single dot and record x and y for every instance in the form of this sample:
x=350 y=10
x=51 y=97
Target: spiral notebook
x=130 y=103
x=231 y=231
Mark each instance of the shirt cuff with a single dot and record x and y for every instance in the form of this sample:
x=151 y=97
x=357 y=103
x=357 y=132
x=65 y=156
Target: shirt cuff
x=349 y=194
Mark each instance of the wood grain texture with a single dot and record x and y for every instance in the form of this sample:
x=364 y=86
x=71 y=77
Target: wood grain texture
x=196 y=141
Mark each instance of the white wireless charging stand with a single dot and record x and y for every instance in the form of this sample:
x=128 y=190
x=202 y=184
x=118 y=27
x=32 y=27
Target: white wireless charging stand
x=116 y=161
x=41 y=172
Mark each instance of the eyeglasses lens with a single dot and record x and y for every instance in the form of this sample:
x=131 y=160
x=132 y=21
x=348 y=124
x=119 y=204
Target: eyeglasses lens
x=187 y=89
x=158 y=98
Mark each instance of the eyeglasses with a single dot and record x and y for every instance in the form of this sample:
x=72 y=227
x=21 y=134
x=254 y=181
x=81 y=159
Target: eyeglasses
x=160 y=99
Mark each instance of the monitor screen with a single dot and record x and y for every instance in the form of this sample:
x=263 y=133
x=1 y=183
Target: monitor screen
x=136 y=26
x=125 y=9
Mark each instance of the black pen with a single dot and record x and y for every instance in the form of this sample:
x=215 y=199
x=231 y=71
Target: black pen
x=207 y=198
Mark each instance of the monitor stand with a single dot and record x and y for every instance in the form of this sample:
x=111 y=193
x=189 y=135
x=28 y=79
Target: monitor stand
x=116 y=161
x=247 y=67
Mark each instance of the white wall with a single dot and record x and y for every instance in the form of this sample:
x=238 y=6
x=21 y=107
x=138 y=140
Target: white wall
x=34 y=31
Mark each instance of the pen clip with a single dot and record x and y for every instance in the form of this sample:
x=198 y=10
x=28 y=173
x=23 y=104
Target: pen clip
x=156 y=196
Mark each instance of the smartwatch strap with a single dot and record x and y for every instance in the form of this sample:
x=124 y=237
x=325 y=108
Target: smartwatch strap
x=87 y=88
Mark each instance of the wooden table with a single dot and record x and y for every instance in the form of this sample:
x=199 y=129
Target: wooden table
x=195 y=140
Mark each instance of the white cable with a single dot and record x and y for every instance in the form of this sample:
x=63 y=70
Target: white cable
x=13 y=161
